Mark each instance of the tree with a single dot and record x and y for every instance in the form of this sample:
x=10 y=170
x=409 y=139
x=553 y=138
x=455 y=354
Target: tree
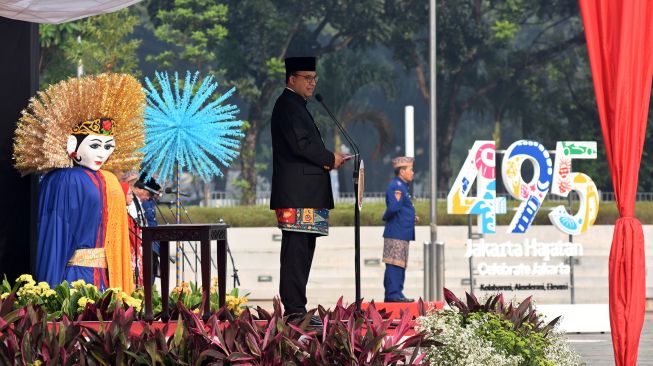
x=101 y=43
x=485 y=49
x=55 y=39
x=104 y=43
x=263 y=32
x=345 y=75
x=192 y=30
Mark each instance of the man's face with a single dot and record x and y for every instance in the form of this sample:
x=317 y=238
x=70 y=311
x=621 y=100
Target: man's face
x=142 y=194
x=94 y=151
x=406 y=174
x=303 y=82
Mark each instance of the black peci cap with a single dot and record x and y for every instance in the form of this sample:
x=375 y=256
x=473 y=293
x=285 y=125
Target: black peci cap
x=300 y=64
x=150 y=183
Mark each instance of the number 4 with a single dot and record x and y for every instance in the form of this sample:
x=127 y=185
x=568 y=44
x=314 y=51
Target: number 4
x=480 y=166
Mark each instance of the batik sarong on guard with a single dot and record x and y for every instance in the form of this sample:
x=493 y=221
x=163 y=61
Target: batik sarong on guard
x=395 y=252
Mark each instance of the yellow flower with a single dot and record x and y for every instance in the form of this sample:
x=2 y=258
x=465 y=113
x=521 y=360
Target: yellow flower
x=25 y=278
x=130 y=301
x=78 y=284
x=28 y=289
x=83 y=301
x=44 y=285
x=49 y=292
x=196 y=311
x=4 y=296
x=183 y=289
x=90 y=286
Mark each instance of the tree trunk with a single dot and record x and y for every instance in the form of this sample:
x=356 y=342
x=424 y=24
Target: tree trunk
x=248 y=153
x=248 y=157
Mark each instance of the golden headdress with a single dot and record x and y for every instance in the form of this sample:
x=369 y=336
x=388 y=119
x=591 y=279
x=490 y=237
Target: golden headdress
x=98 y=104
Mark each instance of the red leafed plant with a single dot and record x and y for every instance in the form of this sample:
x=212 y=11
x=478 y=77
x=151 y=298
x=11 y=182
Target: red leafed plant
x=347 y=338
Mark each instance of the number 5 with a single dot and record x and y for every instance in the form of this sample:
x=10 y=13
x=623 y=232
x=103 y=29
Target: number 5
x=564 y=181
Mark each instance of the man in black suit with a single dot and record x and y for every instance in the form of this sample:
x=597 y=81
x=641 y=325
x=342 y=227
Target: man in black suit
x=301 y=184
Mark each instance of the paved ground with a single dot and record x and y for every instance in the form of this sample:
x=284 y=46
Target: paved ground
x=596 y=349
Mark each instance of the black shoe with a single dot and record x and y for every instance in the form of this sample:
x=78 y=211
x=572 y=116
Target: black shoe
x=401 y=299
x=295 y=318
x=315 y=322
x=298 y=318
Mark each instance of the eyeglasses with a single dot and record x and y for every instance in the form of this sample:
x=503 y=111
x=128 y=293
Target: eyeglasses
x=308 y=78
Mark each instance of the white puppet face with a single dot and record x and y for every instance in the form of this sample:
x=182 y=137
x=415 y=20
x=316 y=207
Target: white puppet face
x=92 y=152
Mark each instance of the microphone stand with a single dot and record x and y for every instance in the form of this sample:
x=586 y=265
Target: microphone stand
x=233 y=264
x=357 y=217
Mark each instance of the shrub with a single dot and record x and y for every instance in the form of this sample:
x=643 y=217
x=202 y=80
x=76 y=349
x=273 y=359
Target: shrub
x=348 y=338
x=372 y=212
x=493 y=332
x=79 y=297
x=462 y=344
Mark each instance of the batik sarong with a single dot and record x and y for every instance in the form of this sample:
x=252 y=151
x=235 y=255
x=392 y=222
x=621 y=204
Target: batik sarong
x=305 y=220
x=395 y=252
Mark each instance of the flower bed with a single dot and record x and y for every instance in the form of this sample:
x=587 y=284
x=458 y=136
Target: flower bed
x=79 y=297
x=494 y=333
x=254 y=337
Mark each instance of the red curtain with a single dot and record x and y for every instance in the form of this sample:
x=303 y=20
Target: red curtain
x=620 y=45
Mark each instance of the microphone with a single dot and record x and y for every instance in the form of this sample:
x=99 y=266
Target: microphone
x=143 y=186
x=350 y=141
x=170 y=190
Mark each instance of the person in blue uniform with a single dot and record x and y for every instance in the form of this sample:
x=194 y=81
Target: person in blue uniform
x=399 y=229
x=148 y=194
x=301 y=185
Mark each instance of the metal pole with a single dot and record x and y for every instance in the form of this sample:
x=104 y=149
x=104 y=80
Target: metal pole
x=433 y=125
x=357 y=234
x=572 y=287
x=470 y=237
x=428 y=246
x=409 y=130
x=179 y=259
x=438 y=255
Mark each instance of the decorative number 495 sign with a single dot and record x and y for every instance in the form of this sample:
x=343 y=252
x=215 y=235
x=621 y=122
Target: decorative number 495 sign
x=480 y=166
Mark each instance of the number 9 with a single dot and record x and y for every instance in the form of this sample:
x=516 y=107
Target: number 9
x=531 y=193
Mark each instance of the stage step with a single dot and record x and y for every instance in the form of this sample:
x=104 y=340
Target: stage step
x=397 y=308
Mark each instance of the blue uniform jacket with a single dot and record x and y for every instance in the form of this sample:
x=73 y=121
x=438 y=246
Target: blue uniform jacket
x=399 y=215
x=149 y=211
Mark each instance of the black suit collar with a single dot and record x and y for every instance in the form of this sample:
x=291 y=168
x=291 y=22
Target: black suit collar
x=292 y=94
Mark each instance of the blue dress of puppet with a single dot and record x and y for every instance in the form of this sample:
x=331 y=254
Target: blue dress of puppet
x=72 y=216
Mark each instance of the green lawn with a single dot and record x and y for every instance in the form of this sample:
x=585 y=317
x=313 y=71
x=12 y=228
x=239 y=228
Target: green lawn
x=343 y=214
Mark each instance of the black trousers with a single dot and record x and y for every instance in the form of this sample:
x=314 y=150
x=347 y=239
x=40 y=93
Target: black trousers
x=297 y=251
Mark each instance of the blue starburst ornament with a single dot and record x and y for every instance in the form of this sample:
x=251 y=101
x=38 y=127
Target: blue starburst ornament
x=185 y=131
